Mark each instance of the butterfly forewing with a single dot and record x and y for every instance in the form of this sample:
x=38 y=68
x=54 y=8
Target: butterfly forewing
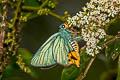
x=54 y=50
x=44 y=56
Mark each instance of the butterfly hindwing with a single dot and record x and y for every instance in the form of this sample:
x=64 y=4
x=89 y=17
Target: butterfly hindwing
x=61 y=50
x=54 y=50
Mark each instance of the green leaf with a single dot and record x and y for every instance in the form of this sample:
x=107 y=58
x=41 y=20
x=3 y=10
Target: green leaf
x=113 y=27
x=113 y=50
x=13 y=68
x=27 y=56
x=31 y=3
x=118 y=75
x=72 y=72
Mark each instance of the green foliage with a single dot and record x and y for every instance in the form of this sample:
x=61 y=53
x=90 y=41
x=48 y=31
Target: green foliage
x=23 y=62
x=51 y=4
x=43 y=11
x=113 y=27
x=34 y=8
x=113 y=50
x=72 y=72
x=118 y=75
x=26 y=61
x=30 y=3
x=109 y=75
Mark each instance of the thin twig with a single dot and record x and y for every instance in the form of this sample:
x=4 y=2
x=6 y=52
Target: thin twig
x=50 y=12
x=88 y=67
x=3 y=25
x=83 y=75
x=110 y=41
x=30 y=8
x=39 y=7
x=44 y=3
x=57 y=16
x=8 y=52
x=81 y=49
x=35 y=8
x=2 y=34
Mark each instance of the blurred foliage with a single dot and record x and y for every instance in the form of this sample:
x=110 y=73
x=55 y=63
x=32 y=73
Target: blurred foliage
x=24 y=65
x=72 y=72
x=112 y=50
x=118 y=75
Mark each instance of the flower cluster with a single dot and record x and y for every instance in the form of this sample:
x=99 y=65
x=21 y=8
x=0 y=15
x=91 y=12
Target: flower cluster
x=22 y=64
x=96 y=14
x=42 y=11
x=51 y=4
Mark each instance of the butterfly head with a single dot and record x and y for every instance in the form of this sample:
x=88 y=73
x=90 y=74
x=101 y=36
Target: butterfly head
x=64 y=26
x=68 y=28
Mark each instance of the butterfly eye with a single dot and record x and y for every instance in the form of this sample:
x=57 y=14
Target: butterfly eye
x=63 y=26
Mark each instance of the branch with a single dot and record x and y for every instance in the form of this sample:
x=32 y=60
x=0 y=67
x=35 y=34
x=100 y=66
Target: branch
x=2 y=34
x=110 y=41
x=88 y=67
x=11 y=40
x=37 y=8
x=57 y=16
x=3 y=25
x=44 y=4
x=83 y=75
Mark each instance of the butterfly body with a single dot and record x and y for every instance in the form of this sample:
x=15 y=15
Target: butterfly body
x=57 y=49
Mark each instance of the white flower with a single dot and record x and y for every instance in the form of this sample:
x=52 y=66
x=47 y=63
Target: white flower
x=96 y=34
x=85 y=17
x=99 y=47
x=99 y=8
x=92 y=22
x=103 y=18
x=84 y=9
x=82 y=22
x=108 y=20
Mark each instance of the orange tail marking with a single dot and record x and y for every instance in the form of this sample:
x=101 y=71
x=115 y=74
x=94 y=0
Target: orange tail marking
x=74 y=58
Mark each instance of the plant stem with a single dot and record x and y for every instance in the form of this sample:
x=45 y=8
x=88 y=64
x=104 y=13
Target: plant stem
x=30 y=8
x=50 y=12
x=3 y=25
x=35 y=8
x=2 y=34
x=110 y=41
x=44 y=4
x=57 y=16
x=12 y=47
x=83 y=75
x=89 y=65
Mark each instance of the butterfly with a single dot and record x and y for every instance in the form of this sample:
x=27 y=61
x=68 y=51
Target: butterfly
x=61 y=48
